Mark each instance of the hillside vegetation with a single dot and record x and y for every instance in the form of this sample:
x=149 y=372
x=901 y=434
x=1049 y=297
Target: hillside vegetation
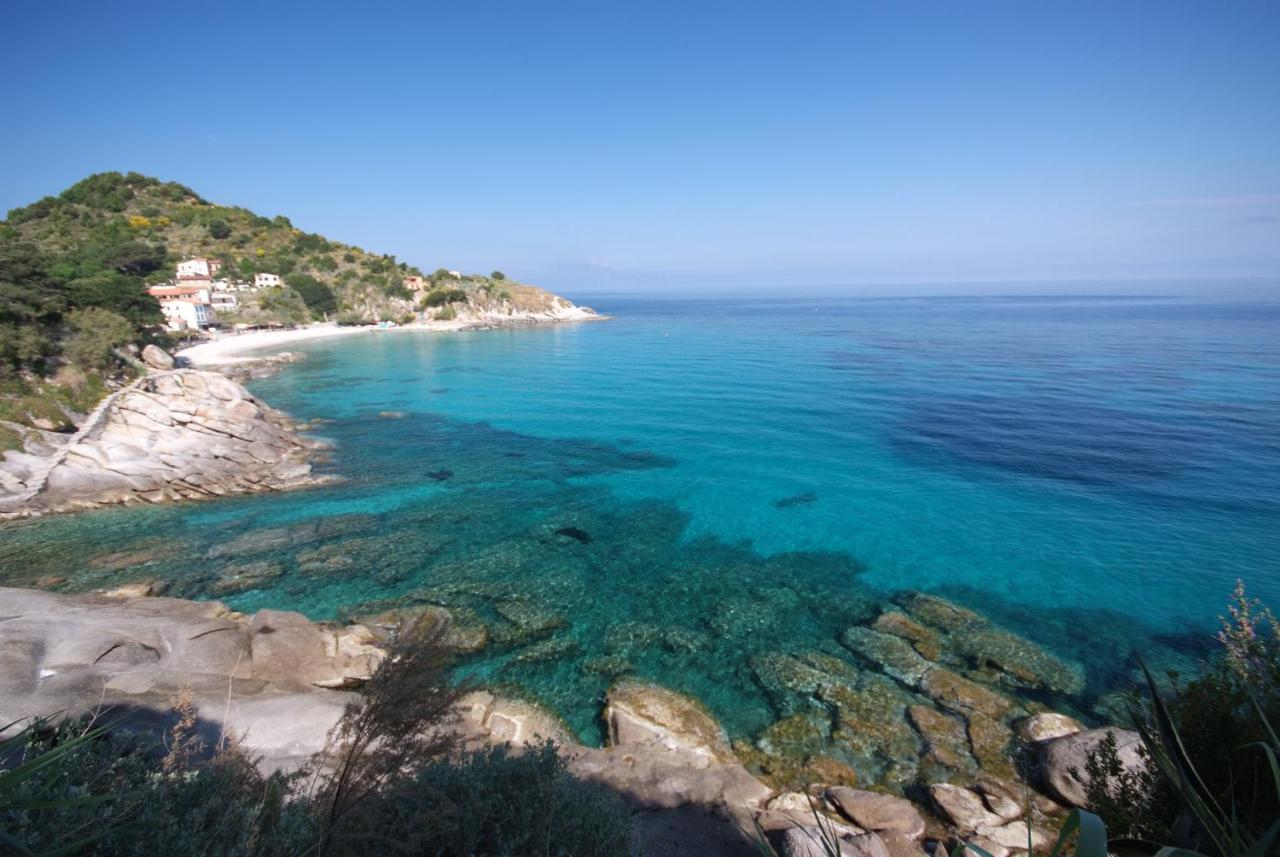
x=74 y=270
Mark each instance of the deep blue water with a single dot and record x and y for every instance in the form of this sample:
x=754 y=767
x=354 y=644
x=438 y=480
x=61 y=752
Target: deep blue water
x=752 y=476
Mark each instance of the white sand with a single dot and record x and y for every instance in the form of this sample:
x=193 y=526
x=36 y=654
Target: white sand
x=226 y=348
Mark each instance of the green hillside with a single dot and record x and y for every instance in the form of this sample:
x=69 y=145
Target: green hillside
x=74 y=270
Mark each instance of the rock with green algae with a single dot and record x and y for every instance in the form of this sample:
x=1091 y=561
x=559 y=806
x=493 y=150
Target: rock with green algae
x=973 y=642
x=945 y=740
x=893 y=655
x=797 y=735
x=544 y=651
x=962 y=696
x=923 y=639
x=792 y=681
x=609 y=666
x=871 y=729
x=526 y=621
x=245 y=576
x=990 y=740
x=1018 y=661
x=630 y=637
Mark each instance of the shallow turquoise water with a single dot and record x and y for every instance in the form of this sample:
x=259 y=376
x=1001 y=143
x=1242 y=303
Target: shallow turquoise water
x=733 y=478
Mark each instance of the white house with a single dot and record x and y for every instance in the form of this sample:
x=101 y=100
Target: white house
x=198 y=269
x=184 y=307
x=266 y=281
x=223 y=300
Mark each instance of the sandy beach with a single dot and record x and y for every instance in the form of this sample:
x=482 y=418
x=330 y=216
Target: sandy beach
x=230 y=348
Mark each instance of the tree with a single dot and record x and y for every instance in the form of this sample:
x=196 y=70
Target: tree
x=219 y=229
x=497 y=275
x=95 y=334
x=318 y=297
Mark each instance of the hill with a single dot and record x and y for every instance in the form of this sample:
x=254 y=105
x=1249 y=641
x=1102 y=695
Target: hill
x=74 y=269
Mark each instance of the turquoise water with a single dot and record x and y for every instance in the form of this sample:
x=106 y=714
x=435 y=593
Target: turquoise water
x=692 y=484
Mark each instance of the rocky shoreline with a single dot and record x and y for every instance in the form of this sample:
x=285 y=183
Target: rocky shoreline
x=280 y=682
x=173 y=434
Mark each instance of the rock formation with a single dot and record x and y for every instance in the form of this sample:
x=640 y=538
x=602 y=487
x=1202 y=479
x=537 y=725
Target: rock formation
x=176 y=434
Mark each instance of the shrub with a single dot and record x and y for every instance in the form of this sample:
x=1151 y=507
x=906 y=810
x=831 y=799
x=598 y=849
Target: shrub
x=502 y=801
x=318 y=297
x=95 y=334
x=497 y=275
x=78 y=790
x=350 y=318
x=219 y=229
x=441 y=296
x=447 y=313
x=1205 y=745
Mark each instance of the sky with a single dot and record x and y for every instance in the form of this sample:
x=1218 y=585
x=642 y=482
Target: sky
x=687 y=147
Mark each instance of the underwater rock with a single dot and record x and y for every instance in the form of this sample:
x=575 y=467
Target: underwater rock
x=872 y=730
x=959 y=694
x=581 y=536
x=391 y=415
x=764 y=611
x=1063 y=760
x=557 y=648
x=969 y=640
x=630 y=638
x=1023 y=663
x=246 y=576
x=990 y=741
x=795 y=500
x=609 y=666
x=938 y=612
x=641 y=713
x=945 y=739
x=442 y=475
x=923 y=639
x=796 y=735
x=527 y=621
x=894 y=655
x=878 y=812
x=789 y=682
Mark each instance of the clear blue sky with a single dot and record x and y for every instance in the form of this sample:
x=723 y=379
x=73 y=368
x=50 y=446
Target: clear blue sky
x=688 y=145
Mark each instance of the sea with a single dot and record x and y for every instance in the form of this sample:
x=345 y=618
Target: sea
x=692 y=485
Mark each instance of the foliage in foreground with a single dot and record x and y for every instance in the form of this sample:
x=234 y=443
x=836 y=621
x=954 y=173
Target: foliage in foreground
x=391 y=781
x=1211 y=781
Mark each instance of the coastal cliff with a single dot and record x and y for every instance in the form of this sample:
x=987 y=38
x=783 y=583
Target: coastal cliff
x=171 y=435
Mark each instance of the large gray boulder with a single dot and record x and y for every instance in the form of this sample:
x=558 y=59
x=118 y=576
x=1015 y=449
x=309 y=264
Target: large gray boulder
x=878 y=812
x=77 y=654
x=178 y=435
x=157 y=358
x=1063 y=760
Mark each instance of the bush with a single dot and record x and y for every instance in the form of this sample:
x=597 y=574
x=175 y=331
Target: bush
x=95 y=334
x=447 y=313
x=501 y=802
x=497 y=275
x=219 y=229
x=1221 y=719
x=95 y=792
x=440 y=297
x=318 y=297
x=350 y=318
